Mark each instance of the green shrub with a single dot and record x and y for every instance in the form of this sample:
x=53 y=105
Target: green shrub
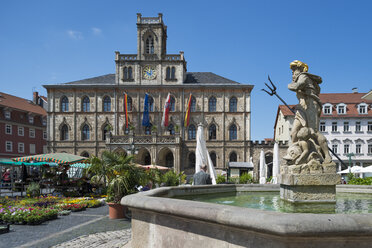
x=234 y=180
x=268 y=180
x=171 y=178
x=245 y=178
x=360 y=181
x=33 y=189
x=350 y=176
x=220 y=179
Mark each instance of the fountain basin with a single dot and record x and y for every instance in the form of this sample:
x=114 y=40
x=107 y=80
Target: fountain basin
x=159 y=221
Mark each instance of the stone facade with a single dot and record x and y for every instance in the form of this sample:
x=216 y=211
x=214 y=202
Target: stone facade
x=87 y=116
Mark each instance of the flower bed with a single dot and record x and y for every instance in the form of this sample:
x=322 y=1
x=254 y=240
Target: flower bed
x=74 y=207
x=33 y=211
x=30 y=216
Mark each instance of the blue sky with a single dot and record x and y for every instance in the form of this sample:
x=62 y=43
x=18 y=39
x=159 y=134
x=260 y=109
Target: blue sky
x=48 y=42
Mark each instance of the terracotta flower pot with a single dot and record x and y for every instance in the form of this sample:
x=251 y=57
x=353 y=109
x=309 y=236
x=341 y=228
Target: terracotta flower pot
x=116 y=211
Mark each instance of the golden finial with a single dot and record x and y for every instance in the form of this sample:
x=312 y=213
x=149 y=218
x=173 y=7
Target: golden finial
x=298 y=63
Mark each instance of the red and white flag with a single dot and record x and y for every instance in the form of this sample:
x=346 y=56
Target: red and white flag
x=167 y=105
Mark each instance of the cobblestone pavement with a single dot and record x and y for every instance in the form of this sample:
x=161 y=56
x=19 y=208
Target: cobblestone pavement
x=114 y=239
x=65 y=228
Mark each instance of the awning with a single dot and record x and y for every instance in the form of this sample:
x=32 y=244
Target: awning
x=80 y=165
x=27 y=163
x=154 y=167
x=247 y=165
x=59 y=158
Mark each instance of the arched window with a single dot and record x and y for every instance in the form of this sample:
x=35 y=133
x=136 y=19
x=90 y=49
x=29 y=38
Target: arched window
x=168 y=74
x=171 y=129
x=233 y=157
x=148 y=129
x=150 y=45
x=169 y=160
x=212 y=104
x=212 y=132
x=172 y=104
x=85 y=133
x=233 y=104
x=173 y=73
x=193 y=104
x=192 y=132
x=130 y=73
x=129 y=102
x=191 y=162
x=64 y=132
x=106 y=104
x=105 y=131
x=233 y=132
x=151 y=104
x=213 y=158
x=64 y=104
x=125 y=73
x=86 y=104
x=85 y=154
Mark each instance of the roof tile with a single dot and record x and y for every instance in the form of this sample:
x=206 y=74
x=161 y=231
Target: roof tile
x=15 y=102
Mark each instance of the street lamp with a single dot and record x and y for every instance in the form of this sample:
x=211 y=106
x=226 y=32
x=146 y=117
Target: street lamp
x=133 y=149
x=349 y=155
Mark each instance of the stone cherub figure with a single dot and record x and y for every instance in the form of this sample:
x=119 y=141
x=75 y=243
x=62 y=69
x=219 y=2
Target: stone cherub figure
x=308 y=146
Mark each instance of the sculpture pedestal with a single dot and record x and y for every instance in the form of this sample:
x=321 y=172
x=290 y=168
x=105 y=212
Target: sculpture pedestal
x=309 y=188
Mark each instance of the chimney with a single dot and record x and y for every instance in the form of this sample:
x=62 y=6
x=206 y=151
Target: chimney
x=35 y=97
x=355 y=90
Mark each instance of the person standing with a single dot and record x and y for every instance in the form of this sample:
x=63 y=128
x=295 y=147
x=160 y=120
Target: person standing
x=6 y=177
x=202 y=177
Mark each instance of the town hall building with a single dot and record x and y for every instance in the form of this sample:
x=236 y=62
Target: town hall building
x=87 y=116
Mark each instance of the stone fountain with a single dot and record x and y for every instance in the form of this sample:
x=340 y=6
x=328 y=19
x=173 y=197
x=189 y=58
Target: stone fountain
x=309 y=174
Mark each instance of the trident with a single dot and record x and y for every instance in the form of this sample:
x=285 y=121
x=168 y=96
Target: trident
x=273 y=92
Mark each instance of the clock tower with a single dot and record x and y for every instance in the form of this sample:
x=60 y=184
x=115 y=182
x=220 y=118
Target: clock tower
x=151 y=38
x=151 y=65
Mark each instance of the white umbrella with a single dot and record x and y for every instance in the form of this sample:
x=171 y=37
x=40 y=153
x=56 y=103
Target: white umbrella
x=354 y=169
x=366 y=169
x=262 y=167
x=275 y=163
x=202 y=155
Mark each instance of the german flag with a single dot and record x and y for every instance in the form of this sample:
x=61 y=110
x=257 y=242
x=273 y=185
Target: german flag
x=126 y=109
x=187 y=116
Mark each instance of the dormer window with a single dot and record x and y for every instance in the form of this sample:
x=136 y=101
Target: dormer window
x=327 y=109
x=341 y=109
x=362 y=108
x=7 y=115
x=31 y=119
x=150 y=45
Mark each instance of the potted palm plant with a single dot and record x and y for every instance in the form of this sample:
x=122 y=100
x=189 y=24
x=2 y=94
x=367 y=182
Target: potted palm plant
x=119 y=176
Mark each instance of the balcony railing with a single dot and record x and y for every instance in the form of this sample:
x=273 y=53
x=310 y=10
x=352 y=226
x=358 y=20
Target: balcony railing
x=143 y=139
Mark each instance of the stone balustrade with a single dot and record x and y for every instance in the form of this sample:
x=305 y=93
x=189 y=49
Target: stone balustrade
x=173 y=57
x=127 y=57
x=143 y=139
x=150 y=20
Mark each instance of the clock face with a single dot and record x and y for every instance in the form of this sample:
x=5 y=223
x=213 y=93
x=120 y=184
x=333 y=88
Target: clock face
x=149 y=72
